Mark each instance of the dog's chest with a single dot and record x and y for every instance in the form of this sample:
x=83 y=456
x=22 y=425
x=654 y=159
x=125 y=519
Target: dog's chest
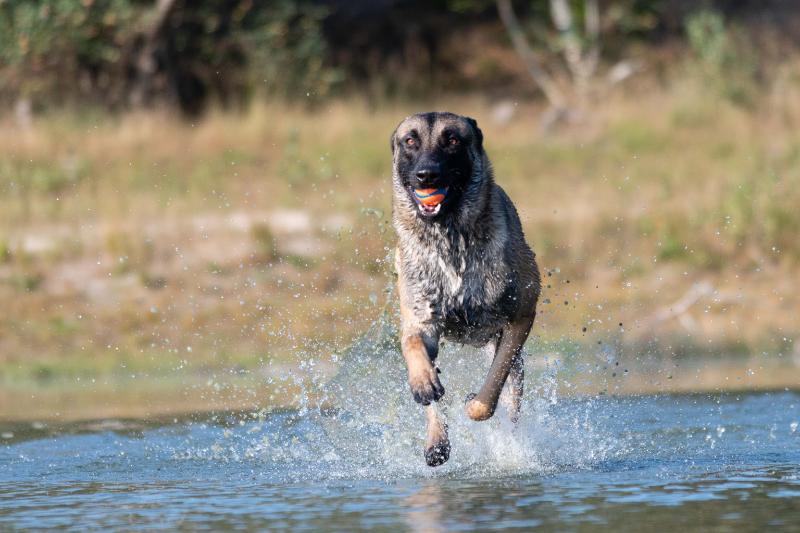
x=460 y=287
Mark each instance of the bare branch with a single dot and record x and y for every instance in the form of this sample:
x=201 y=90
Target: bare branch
x=520 y=42
x=592 y=19
x=561 y=13
x=581 y=64
x=679 y=309
x=592 y=24
x=146 y=61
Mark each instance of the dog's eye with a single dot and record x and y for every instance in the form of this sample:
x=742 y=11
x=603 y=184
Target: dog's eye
x=411 y=141
x=452 y=141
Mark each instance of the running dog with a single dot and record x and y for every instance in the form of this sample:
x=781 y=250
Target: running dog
x=465 y=272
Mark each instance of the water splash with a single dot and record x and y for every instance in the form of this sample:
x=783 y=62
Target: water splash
x=364 y=424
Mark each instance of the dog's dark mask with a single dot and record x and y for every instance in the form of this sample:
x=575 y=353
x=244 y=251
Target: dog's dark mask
x=434 y=160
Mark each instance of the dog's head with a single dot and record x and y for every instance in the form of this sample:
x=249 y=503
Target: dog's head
x=439 y=163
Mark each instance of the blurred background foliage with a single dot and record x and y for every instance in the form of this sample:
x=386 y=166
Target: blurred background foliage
x=194 y=186
x=124 y=53
x=121 y=53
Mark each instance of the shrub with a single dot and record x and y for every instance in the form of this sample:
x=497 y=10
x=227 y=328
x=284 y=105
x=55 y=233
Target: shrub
x=62 y=48
x=725 y=56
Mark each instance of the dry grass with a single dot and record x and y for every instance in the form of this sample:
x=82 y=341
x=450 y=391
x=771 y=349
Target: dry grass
x=144 y=241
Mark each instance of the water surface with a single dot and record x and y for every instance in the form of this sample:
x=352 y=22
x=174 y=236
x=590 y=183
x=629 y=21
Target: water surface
x=729 y=462
x=350 y=458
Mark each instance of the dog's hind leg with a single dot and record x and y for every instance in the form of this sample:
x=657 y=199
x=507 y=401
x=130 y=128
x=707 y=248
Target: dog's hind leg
x=481 y=406
x=511 y=397
x=437 y=444
x=516 y=379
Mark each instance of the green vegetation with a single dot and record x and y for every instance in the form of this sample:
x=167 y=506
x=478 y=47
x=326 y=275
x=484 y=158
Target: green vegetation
x=142 y=243
x=253 y=237
x=118 y=53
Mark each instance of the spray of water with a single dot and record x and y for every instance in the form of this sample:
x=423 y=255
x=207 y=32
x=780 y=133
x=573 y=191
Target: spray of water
x=364 y=424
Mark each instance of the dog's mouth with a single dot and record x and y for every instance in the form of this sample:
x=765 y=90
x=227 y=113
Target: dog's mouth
x=429 y=201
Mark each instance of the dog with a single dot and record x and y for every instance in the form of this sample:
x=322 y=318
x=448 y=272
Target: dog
x=464 y=271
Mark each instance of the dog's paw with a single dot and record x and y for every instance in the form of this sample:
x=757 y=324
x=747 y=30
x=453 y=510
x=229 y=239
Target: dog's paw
x=425 y=385
x=477 y=410
x=438 y=454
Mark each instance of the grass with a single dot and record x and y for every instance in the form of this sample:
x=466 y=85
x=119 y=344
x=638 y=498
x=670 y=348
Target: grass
x=245 y=239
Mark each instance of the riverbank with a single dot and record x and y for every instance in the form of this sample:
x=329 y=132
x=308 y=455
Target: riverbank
x=153 y=398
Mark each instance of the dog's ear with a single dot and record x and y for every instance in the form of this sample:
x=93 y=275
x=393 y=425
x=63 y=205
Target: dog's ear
x=392 y=140
x=477 y=131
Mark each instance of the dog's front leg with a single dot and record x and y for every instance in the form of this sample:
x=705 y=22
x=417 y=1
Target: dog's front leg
x=419 y=345
x=423 y=377
x=481 y=406
x=437 y=444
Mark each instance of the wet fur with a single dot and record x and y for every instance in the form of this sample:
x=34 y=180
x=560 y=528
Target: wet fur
x=465 y=275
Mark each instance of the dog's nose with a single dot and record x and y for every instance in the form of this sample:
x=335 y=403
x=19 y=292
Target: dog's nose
x=427 y=175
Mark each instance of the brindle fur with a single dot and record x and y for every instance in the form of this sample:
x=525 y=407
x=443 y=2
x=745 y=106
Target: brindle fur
x=466 y=274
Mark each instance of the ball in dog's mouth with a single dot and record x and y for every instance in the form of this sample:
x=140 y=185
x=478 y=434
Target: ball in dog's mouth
x=430 y=200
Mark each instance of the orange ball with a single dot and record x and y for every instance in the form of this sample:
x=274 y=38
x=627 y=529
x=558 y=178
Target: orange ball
x=430 y=196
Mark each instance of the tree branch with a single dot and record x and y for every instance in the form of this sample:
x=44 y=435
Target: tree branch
x=146 y=64
x=592 y=23
x=520 y=42
x=581 y=64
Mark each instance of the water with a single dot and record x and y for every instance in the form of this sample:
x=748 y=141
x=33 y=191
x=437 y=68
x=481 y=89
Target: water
x=351 y=459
